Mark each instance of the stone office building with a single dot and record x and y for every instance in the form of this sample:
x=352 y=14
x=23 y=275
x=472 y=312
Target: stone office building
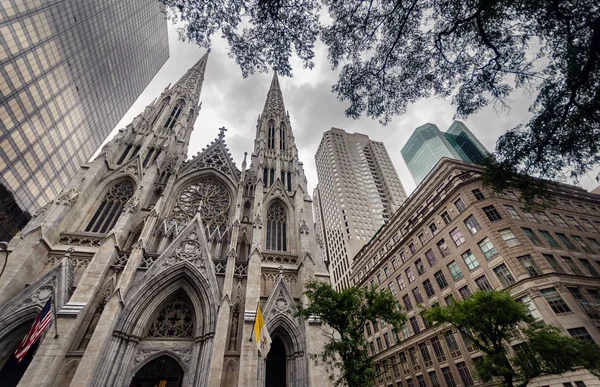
x=158 y=263
x=453 y=237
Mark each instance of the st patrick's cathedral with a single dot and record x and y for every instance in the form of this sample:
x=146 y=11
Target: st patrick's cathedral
x=156 y=263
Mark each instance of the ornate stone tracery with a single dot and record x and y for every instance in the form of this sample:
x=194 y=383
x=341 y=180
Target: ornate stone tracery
x=208 y=196
x=174 y=320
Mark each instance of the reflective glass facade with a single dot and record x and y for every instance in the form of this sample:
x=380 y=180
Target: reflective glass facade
x=69 y=71
x=427 y=145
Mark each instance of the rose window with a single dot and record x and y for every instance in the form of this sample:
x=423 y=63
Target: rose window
x=174 y=320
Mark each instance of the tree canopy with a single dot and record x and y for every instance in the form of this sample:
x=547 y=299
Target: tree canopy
x=494 y=320
x=347 y=312
x=391 y=53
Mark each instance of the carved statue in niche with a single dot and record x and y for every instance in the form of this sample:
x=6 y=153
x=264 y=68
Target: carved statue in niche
x=235 y=318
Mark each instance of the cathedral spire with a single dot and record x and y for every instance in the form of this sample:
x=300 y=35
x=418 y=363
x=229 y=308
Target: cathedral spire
x=190 y=85
x=274 y=104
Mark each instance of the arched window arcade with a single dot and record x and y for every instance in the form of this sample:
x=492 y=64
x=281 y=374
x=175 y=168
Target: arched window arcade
x=277 y=227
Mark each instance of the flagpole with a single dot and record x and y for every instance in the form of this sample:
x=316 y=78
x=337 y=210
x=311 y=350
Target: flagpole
x=54 y=311
x=255 y=315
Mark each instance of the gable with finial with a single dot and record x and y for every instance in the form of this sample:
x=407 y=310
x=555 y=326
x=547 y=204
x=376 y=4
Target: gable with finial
x=280 y=302
x=190 y=251
x=215 y=156
x=132 y=168
x=277 y=190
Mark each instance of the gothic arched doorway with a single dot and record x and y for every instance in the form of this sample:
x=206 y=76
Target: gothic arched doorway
x=163 y=371
x=276 y=365
x=13 y=370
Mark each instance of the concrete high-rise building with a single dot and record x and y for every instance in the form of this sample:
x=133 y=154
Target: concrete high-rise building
x=69 y=71
x=453 y=239
x=157 y=263
x=358 y=192
x=427 y=145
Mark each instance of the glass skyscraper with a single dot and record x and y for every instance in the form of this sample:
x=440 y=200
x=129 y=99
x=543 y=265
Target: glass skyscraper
x=427 y=145
x=69 y=71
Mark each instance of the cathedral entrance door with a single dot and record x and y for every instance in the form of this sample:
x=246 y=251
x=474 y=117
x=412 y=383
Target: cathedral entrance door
x=276 y=365
x=160 y=372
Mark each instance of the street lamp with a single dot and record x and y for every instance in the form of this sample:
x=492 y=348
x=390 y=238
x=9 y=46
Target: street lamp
x=4 y=249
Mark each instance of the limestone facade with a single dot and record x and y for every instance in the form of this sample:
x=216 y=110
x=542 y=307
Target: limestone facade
x=158 y=263
x=453 y=237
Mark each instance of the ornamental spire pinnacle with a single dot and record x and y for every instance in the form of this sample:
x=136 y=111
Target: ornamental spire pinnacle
x=274 y=103
x=190 y=84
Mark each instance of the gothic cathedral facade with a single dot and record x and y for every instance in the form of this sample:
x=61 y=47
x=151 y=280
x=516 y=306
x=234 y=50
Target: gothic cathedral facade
x=156 y=264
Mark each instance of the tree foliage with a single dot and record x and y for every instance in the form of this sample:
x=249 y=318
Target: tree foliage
x=346 y=312
x=391 y=53
x=492 y=320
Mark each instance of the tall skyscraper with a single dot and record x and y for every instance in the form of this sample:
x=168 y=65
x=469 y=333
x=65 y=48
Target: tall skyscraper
x=427 y=145
x=69 y=71
x=358 y=191
x=158 y=263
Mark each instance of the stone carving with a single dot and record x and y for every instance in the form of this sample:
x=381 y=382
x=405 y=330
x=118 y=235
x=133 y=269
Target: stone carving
x=188 y=250
x=148 y=261
x=303 y=227
x=131 y=205
x=277 y=258
x=220 y=267
x=214 y=158
x=42 y=210
x=277 y=191
x=210 y=198
x=281 y=305
x=131 y=169
x=184 y=355
x=257 y=221
x=241 y=270
x=174 y=320
x=68 y=198
x=120 y=262
x=78 y=240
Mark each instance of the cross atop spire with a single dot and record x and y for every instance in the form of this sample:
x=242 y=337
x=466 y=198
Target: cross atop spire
x=222 y=131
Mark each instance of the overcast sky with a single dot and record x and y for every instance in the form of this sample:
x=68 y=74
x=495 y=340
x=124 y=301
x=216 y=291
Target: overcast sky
x=234 y=102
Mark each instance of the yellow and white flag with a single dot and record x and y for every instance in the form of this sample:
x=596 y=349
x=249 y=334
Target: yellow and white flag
x=261 y=334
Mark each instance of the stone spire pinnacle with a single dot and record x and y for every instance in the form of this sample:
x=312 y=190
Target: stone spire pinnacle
x=274 y=103
x=190 y=85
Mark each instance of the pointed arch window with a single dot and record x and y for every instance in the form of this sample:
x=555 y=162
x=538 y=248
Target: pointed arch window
x=176 y=319
x=276 y=227
x=160 y=111
x=174 y=114
x=125 y=153
x=271 y=137
x=282 y=136
x=108 y=212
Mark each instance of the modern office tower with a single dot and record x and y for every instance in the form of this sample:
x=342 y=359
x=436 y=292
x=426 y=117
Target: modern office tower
x=69 y=71
x=157 y=263
x=358 y=192
x=427 y=145
x=448 y=241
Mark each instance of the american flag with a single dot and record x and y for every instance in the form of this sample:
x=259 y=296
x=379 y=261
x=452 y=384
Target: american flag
x=39 y=325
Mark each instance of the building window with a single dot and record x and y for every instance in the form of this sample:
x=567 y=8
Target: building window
x=407 y=302
x=425 y=354
x=276 y=227
x=512 y=212
x=415 y=325
x=174 y=115
x=572 y=265
x=457 y=237
x=483 y=284
x=590 y=309
x=368 y=327
x=379 y=345
x=438 y=350
x=282 y=136
x=417 y=294
x=470 y=260
x=478 y=194
x=386 y=339
x=411 y=247
x=555 y=301
x=433 y=228
x=107 y=214
x=582 y=244
x=594 y=243
x=409 y=275
x=428 y=288
x=465 y=292
x=574 y=222
x=529 y=264
x=504 y=275
x=545 y=218
x=508 y=237
x=472 y=224
x=443 y=247
x=422 y=239
x=402 y=256
x=460 y=205
x=549 y=239
x=559 y=220
x=271 y=135
x=392 y=289
x=404 y=331
x=492 y=214
x=465 y=375
x=567 y=242
x=487 y=248
x=440 y=279
x=421 y=381
x=531 y=235
x=400 y=281
x=430 y=258
x=554 y=263
x=452 y=343
x=531 y=308
x=589 y=225
x=450 y=300
x=446 y=217
x=455 y=271
x=420 y=267
x=529 y=215
x=386 y=271
x=589 y=267
x=580 y=333
x=448 y=377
